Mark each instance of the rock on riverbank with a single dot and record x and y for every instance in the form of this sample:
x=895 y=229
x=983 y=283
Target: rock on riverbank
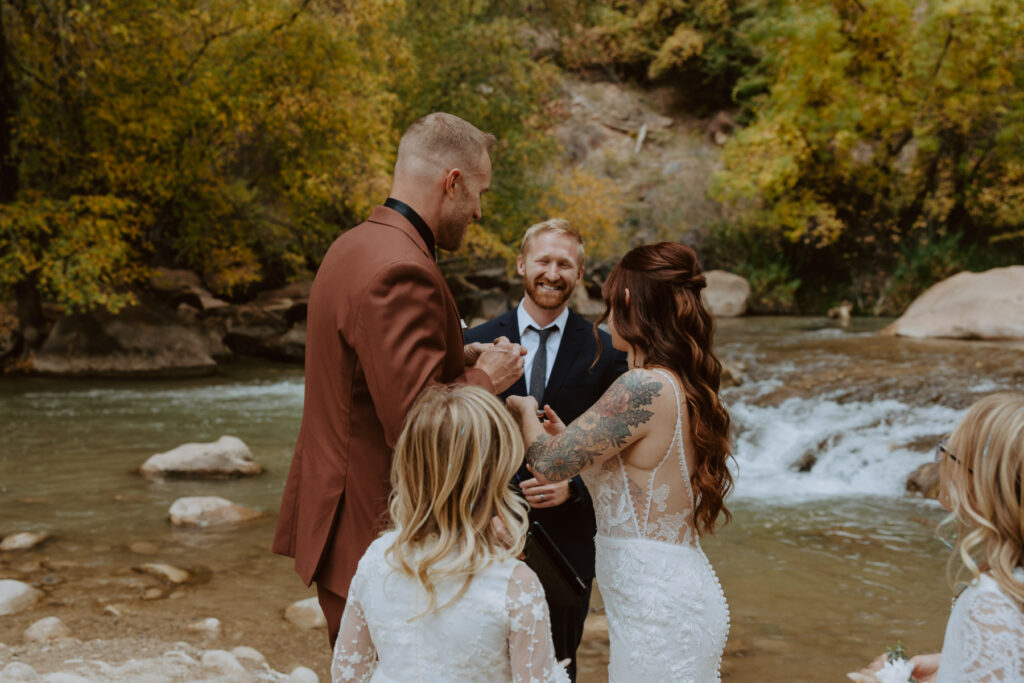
x=141 y=340
x=987 y=305
x=727 y=294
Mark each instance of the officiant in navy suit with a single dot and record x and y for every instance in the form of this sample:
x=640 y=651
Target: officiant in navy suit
x=560 y=349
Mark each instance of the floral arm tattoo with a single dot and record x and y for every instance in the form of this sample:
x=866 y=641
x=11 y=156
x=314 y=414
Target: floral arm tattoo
x=599 y=433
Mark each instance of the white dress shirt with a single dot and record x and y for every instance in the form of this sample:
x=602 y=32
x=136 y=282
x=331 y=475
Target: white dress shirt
x=530 y=340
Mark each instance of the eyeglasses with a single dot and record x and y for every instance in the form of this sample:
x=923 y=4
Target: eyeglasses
x=941 y=448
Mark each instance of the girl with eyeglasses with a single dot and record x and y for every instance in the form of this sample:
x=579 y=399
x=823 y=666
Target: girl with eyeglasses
x=980 y=470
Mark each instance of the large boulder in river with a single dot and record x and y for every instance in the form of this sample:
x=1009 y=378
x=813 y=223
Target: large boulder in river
x=727 y=294
x=227 y=456
x=138 y=341
x=16 y=596
x=204 y=511
x=987 y=305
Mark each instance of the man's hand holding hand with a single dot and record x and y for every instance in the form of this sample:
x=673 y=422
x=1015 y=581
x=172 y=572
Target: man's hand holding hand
x=473 y=351
x=503 y=363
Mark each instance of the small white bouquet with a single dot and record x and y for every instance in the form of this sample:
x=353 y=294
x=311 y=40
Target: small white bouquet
x=897 y=669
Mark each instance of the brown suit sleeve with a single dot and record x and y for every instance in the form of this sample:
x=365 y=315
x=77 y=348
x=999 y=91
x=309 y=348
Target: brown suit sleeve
x=401 y=341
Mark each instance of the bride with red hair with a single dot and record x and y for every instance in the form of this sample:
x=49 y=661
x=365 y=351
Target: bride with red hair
x=653 y=452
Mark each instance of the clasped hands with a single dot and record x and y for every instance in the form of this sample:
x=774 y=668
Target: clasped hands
x=501 y=360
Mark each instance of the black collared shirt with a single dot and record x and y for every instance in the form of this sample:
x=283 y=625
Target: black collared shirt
x=417 y=222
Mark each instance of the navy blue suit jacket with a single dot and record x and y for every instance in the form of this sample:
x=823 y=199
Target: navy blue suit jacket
x=572 y=388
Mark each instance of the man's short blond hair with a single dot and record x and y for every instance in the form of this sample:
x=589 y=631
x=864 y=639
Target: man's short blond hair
x=447 y=139
x=557 y=226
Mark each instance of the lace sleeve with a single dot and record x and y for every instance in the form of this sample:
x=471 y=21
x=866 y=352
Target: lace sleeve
x=990 y=634
x=355 y=656
x=531 y=653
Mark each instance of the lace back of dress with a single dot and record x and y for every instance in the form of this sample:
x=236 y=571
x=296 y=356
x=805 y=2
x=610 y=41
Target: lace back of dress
x=668 y=511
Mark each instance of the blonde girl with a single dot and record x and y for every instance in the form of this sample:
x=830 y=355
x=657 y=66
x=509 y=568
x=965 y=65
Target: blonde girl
x=981 y=467
x=442 y=596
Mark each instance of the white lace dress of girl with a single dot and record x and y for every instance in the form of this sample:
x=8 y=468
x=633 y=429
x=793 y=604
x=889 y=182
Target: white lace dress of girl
x=984 y=640
x=499 y=630
x=667 y=615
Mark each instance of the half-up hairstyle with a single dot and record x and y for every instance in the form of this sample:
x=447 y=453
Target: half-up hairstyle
x=984 y=487
x=669 y=326
x=449 y=477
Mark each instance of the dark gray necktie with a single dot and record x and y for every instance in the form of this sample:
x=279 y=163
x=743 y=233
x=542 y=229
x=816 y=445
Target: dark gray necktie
x=538 y=372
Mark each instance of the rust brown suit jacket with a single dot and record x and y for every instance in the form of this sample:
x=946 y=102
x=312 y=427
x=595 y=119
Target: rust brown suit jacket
x=381 y=325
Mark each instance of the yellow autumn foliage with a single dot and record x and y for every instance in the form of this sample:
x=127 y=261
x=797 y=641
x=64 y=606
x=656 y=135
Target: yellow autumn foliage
x=593 y=205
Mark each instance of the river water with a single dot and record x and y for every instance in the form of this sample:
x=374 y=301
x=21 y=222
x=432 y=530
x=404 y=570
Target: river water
x=823 y=568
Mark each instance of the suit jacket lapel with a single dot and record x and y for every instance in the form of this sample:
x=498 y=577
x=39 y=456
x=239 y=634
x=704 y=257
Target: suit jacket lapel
x=568 y=350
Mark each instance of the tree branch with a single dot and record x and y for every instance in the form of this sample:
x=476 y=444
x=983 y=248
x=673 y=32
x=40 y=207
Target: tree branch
x=209 y=40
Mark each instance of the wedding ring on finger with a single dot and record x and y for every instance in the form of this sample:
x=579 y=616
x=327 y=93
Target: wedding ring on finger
x=542 y=497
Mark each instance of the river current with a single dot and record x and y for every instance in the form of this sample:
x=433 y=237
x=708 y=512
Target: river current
x=826 y=562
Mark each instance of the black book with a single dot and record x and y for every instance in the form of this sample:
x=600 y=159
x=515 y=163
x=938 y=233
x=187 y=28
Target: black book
x=562 y=585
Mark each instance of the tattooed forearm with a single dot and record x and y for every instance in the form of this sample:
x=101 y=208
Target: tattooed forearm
x=602 y=431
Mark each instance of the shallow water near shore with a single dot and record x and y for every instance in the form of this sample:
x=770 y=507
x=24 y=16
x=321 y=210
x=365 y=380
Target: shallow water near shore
x=822 y=568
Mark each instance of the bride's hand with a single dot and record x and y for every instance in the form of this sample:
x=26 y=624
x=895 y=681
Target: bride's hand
x=552 y=424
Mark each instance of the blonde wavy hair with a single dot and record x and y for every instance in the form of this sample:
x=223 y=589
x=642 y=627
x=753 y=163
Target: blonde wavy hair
x=984 y=489
x=450 y=476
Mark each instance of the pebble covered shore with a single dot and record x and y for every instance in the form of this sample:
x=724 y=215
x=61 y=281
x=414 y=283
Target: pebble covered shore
x=70 y=660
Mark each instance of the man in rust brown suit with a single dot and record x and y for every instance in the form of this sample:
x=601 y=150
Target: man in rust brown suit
x=381 y=326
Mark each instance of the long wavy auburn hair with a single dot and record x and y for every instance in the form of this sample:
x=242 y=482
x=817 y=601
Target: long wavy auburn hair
x=669 y=326
x=449 y=477
x=986 y=505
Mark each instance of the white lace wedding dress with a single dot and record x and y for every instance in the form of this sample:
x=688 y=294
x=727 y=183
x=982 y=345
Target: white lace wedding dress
x=499 y=630
x=984 y=640
x=667 y=616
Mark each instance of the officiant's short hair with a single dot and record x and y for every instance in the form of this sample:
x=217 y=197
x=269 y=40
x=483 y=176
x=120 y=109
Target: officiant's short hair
x=557 y=226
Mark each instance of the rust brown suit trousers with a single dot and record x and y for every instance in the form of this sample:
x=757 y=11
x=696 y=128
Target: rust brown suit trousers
x=381 y=325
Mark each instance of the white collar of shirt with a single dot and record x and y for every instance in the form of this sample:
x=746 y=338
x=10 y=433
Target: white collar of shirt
x=530 y=340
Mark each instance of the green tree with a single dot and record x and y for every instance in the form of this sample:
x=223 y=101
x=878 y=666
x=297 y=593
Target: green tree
x=890 y=127
x=233 y=138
